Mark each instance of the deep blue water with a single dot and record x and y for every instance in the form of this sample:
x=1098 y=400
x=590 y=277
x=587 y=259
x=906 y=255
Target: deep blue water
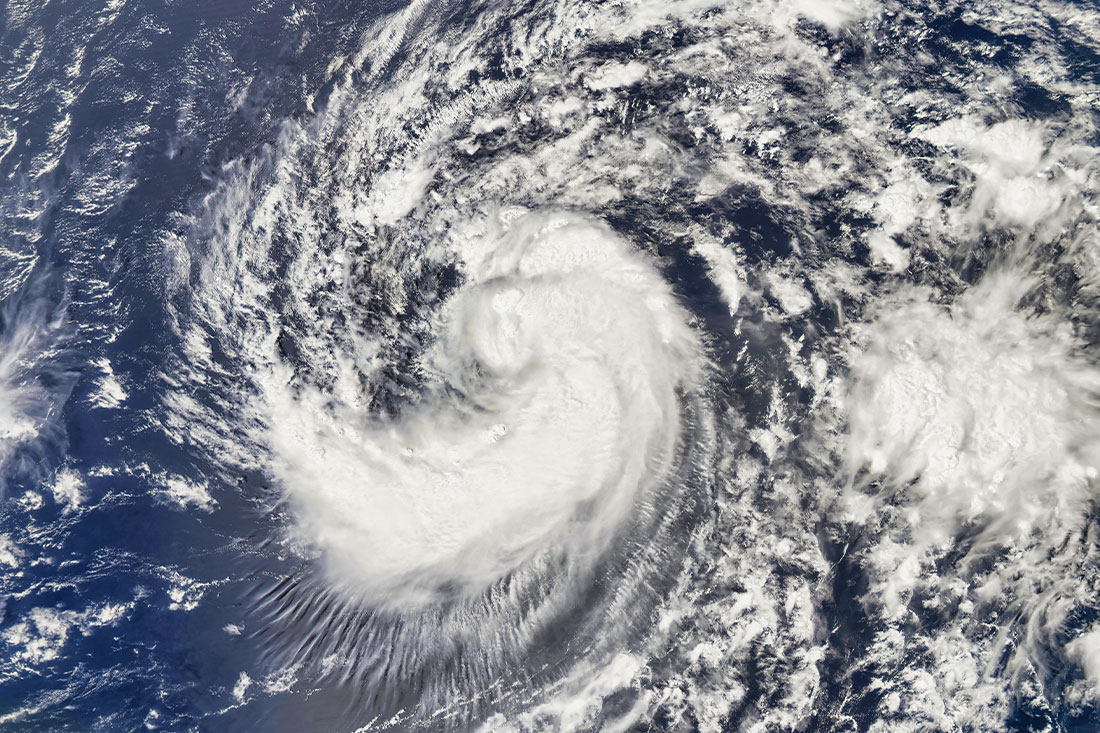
x=99 y=261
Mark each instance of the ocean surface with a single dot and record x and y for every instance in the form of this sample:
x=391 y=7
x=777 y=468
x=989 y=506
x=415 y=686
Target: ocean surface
x=549 y=365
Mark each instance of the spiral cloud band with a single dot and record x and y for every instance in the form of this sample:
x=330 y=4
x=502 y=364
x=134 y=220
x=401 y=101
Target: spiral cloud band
x=552 y=403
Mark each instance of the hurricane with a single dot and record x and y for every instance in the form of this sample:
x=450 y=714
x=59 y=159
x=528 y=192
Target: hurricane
x=555 y=365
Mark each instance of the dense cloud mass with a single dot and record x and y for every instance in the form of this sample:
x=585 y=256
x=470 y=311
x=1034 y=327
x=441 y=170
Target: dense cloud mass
x=574 y=365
